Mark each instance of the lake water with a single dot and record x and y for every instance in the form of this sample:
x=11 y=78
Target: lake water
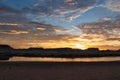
x=94 y=59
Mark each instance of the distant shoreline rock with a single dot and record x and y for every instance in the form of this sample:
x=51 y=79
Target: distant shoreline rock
x=7 y=51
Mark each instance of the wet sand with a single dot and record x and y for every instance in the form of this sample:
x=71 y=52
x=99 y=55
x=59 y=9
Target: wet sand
x=59 y=71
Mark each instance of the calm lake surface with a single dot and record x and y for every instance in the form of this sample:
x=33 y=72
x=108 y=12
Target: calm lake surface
x=94 y=59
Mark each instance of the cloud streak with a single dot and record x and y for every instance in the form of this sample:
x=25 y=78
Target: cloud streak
x=14 y=32
x=113 y=5
x=9 y=24
x=67 y=9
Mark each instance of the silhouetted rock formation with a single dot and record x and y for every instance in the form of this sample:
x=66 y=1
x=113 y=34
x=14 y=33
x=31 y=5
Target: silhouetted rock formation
x=6 y=52
x=92 y=49
x=5 y=48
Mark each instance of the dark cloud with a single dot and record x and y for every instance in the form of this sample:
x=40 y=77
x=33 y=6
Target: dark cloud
x=13 y=18
x=6 y=9
x=47 y=27
x=104 y=28
x=112 y=39
x=113 y=5
x=9 y=27
x=34 y=31
x=16 y=22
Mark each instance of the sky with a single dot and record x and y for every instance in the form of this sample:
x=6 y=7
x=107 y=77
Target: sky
x=60 y=23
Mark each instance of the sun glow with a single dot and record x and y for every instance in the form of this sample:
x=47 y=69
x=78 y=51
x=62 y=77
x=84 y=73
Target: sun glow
x=79 y=46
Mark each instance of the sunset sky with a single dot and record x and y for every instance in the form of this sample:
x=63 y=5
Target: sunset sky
x=60 y=23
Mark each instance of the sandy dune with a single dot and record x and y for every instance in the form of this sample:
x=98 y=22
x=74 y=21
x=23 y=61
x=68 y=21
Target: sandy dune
x=59 y=71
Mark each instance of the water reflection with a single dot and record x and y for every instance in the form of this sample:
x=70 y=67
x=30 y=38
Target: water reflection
x=65 y=59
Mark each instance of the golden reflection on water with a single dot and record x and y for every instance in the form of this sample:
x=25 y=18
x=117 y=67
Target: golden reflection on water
x=65 y=59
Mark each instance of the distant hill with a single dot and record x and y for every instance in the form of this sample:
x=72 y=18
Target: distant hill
x=5 y=47
x=6 y=52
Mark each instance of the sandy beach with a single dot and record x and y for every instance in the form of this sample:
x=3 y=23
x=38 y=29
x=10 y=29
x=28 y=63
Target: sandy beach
x=59 y=71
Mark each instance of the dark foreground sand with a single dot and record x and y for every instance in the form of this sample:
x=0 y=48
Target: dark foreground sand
x=59 y=71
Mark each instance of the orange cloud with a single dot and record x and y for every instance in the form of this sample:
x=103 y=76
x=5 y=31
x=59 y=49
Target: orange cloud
x=15 y=32
x=41 y=29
